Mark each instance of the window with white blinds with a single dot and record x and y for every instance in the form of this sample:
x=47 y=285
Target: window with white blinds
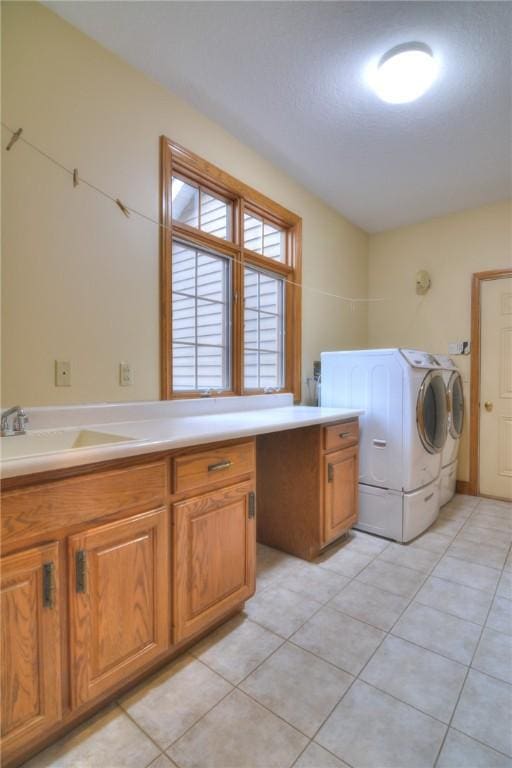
x=201 y=319
x=263 y=330
x=264 y=238
x=195 y=207
x=231 y=270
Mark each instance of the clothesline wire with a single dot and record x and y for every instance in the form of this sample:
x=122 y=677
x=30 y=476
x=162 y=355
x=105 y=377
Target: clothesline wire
x=72 y=172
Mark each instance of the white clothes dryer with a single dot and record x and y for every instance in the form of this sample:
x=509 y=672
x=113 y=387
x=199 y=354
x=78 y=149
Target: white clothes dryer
x=449 y=456
x=403 y=432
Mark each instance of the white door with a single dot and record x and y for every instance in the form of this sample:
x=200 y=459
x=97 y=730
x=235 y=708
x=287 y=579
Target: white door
x=496 y=388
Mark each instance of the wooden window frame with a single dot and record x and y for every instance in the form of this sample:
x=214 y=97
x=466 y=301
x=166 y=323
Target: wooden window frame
x=176 y=160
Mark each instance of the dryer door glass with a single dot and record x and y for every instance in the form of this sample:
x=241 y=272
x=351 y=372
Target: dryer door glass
x=432 y=413
x=457 y=405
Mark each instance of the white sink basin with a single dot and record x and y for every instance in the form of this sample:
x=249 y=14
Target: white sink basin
x=53 y=440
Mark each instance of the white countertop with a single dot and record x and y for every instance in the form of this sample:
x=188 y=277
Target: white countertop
x=175 y=428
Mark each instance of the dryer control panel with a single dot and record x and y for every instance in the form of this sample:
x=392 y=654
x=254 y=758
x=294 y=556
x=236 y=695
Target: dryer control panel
x=447 y=362
x=419 y=359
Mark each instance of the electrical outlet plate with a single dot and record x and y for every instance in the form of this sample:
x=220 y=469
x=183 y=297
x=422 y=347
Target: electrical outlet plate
x=125 y=375
x=459 y=348
x=62 y=373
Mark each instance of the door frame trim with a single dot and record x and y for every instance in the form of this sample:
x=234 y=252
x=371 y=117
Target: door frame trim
x=474 y=399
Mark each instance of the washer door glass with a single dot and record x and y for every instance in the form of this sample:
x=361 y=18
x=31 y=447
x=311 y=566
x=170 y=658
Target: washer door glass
x=432 y=413
x=457 y=405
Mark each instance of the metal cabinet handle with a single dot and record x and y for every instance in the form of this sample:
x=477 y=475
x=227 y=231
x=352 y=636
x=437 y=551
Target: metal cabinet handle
x=48 y=585
x=380 y=443
x=252 y=505
x=330 y=473
x=220 y=465
x=81 y=570
x=345 y=434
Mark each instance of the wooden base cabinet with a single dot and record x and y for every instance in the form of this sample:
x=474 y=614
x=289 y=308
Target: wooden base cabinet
x=214 y=540
x=118 y=601
x=153 y=552
x=307 y=487
x=341 y=477
x=30 y=650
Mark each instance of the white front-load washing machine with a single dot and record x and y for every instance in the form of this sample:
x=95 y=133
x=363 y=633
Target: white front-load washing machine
x=449 y=456
x=403 y=432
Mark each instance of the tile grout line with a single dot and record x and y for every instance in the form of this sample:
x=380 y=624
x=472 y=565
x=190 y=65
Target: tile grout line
x=163 y=750
x=449 y=613
x=388 y=562
x=289 y=640
x=389 y=633
x=478 y=741
x=142 y=731
x=429 y=650
x=460 y=584
x=166 y=749
x=236 y=686
x=357 y=677
x=482 y=528
x=472 y=562
x=273 y=582
x=162 y=754
x=354 y=677
x=470 y=666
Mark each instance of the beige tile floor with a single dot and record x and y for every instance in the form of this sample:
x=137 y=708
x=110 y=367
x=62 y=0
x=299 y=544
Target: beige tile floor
x=376 y=656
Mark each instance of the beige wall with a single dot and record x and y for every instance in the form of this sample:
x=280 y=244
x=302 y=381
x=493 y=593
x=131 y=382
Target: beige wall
x=80 y=282
x=451 y=248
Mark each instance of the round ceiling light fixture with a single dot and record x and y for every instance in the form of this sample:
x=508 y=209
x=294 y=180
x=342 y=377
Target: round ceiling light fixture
x=405 y=73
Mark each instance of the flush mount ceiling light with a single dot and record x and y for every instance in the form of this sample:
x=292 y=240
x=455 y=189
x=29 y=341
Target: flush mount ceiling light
x=404 y=73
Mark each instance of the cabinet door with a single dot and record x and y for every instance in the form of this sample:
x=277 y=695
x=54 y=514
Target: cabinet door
x=214 y=556
x=341 y=477
x=119 y=601
x=31 y=672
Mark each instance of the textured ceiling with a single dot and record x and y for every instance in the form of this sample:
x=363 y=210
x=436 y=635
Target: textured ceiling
x=288 y=78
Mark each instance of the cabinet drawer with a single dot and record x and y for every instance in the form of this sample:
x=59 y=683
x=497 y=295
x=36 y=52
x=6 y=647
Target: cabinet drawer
x=41 y=509
x=199 y=469
x=341 y=435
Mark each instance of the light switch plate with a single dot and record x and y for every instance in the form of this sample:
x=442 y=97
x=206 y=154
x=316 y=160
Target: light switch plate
x=125 y=375
x=62 y=373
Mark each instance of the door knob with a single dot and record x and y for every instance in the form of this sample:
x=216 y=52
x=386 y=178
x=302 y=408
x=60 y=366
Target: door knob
x=488 y=405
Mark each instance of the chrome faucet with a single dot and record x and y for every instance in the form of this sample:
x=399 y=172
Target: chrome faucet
x=19 y=421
